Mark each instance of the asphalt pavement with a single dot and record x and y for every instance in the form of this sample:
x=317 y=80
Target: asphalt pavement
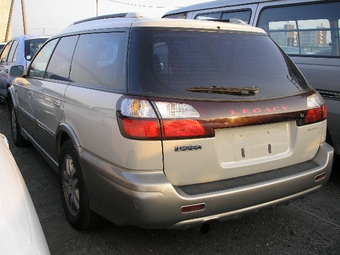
x=306 y=226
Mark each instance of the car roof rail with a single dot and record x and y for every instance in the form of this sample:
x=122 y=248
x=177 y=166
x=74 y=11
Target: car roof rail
x=110 y=16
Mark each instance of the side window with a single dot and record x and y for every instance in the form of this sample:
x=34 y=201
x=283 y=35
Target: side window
x=243 y=15
x=32 y=46
x=13 y=53
x=207 y=16
x=59 y=66
x=39 y=63
x=304 y=30
x=99 y=60
x=4 y=53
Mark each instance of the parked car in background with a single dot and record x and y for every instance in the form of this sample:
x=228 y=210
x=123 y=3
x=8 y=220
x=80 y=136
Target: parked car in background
x=167 y=123
x=20 y=228
x=18 y=51
x=307 y=30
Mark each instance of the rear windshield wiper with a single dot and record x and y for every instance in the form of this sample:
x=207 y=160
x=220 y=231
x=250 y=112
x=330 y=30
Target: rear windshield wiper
x=241 y=91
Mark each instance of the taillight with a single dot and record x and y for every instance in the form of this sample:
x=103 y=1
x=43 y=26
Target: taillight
x=317 y=111
x=140 y=119
x=183 y=129
x=139 y=128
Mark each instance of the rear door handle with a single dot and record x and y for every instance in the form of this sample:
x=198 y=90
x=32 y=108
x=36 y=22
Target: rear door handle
x=57 y=104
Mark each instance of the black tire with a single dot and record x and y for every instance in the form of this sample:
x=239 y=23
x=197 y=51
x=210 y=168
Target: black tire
x=73 y=190
x=17 y=137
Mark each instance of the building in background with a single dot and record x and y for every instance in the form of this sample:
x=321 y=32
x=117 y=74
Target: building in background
x=4 y=12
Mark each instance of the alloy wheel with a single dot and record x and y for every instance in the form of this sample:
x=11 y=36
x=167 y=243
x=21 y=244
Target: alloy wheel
x=70 y=185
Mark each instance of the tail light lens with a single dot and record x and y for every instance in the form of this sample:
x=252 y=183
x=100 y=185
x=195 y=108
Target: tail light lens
x=317 y=110
x=140 y=119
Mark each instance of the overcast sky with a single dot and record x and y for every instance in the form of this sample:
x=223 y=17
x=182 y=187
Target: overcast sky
x=52 y=16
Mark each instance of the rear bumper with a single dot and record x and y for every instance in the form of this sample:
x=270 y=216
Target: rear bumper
x=148 y=200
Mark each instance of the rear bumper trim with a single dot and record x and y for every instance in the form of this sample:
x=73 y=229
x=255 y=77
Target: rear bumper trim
x=249 y=180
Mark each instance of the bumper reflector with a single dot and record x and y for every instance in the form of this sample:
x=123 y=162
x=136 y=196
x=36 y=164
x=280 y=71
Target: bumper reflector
x=192 y=208
x=319 y=177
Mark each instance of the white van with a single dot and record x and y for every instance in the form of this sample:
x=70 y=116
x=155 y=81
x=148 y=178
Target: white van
x=308 y=31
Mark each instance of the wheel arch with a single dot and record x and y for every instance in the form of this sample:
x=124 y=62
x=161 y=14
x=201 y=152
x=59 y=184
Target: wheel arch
x=65 y=132
x=11 y=97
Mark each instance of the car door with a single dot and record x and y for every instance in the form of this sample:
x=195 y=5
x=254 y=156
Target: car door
x=25 y=89
x=49 y=96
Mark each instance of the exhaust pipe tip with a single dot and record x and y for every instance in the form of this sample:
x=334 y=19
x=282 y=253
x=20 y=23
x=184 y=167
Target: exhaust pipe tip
x=204 y=228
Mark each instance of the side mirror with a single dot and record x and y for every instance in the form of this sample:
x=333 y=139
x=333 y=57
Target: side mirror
x=16 y=70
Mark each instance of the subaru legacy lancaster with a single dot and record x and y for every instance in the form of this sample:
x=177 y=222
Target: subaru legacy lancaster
x=165 y=123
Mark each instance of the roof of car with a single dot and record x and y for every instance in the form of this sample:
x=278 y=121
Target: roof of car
x=27 y=37
x=216 y=4
x=31 y=36
x=128 y=20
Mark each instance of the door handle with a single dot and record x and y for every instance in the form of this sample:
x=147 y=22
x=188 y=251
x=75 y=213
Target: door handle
x=57 y=104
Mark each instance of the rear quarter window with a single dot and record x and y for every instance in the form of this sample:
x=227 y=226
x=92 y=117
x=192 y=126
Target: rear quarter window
x=32 y=46
x=243 y=15
x=99 y=60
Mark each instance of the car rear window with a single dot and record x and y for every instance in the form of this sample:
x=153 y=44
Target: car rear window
x=173 y=63
x=32 y=46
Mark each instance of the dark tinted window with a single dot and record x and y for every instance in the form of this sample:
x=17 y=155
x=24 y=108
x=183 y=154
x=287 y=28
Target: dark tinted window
x=167 y=63
x=59 y=66
x=207 y=16
x=243 y=15
x=311 y=29
x=39 y=64
x=32 y=46
x=99 y=60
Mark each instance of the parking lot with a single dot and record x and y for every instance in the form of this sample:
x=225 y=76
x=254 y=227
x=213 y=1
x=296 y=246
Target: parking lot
x=307 y=226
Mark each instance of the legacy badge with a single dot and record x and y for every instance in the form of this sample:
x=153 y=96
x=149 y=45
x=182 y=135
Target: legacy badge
x=188 y=147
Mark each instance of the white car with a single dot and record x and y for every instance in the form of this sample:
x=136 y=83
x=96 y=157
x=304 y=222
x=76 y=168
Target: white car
x=20 y=229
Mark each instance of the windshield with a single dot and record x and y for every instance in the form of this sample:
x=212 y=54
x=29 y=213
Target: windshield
x=169 y=63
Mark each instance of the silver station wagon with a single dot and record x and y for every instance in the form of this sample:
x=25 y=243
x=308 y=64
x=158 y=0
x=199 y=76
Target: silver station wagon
x=166 y=123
